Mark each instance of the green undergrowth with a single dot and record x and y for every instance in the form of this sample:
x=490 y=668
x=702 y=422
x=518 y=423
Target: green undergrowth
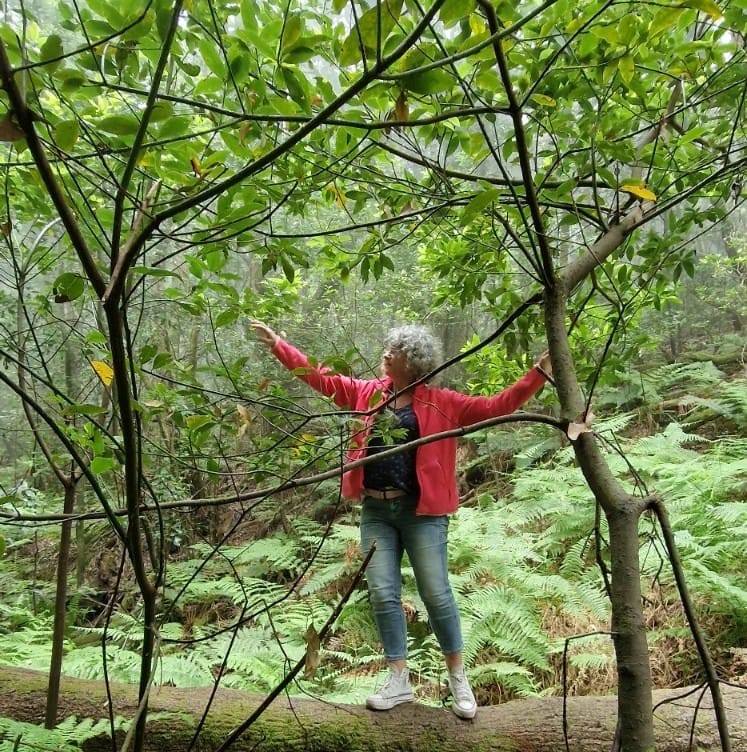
x=522 y=558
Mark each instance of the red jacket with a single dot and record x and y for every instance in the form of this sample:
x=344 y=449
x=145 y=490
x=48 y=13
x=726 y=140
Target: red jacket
x=436 y=409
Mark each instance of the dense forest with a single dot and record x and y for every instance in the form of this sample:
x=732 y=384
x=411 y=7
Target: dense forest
x=179 y=567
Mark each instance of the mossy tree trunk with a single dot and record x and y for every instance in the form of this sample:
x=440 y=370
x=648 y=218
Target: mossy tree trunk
x=519 y=726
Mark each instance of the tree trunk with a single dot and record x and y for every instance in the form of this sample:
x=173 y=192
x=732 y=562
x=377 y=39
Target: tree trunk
x=629 y=632
x=519 y=726
x=60 y=610
x=622 y=512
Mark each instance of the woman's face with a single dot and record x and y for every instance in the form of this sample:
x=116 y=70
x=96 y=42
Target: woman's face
x=394 y=365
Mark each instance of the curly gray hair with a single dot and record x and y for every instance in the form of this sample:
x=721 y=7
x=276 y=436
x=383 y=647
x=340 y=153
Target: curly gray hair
x=420 y=346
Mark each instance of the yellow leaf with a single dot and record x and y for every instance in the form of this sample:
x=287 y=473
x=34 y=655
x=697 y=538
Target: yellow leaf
x=707 y=6
x=400 y=107
x=544 y=100
x=639 y=190
x=339 y=196
x=476 y=25
x=244 y=130
x=104 y=371
x=312 y=658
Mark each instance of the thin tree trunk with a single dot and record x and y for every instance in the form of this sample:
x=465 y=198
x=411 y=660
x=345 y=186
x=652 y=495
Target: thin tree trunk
x=80 y=553
x=629 y=634
x=622 y=511
x=60 y=610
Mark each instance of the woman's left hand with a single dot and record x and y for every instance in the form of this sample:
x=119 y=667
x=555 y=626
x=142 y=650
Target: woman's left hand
x=544 y=363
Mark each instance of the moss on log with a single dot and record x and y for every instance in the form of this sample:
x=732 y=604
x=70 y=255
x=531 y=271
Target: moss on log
x=518 y=726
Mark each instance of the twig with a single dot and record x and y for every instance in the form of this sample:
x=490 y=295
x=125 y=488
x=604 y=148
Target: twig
x=239 y=731
x=679 y=575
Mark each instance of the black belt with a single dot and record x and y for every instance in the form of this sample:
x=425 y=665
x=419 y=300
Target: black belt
x=385 y=494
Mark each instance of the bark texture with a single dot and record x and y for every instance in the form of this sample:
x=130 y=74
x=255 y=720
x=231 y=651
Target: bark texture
x=519 y=726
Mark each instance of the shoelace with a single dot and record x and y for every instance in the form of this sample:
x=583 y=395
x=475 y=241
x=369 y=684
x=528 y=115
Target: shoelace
x=461 y=688
x=391 y=679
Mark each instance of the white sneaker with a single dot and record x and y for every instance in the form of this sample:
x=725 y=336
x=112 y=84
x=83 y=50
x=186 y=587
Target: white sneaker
x=396 y=690
x=464 y=704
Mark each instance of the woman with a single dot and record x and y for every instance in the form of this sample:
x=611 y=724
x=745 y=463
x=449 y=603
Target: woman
x=407 y=497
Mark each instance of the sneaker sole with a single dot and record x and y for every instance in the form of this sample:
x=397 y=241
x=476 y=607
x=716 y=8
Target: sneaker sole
x=467 y=715
x=389 y=704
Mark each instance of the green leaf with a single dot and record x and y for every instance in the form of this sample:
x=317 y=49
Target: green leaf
x=608 y=33
x=96 y=337
x=212 y=57
x=196 y=422
x=162 y=359
x=66 y=134
x=249 y=14
x=146 y=353
x=626 y=66
x=163 y=17
x=70 y=79
x=51 y=48
x=293 y=82
x=68 y=286
x=161 y=111
x=101 y=465
x=119 y=125
x=456 y=10
x=154 y=271
x=299 y=54
x=226 y=318
x=174 y=127
x=292 y=31
x=693 y=134
x=367 y=31
x=288 y=270
x=428 y=82
x=106 y=10
x=477 y=204
x=663 y=20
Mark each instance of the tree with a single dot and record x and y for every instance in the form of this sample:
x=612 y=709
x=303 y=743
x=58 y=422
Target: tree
x=558 y=154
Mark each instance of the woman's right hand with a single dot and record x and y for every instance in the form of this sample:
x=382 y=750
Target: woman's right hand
x=264 y=334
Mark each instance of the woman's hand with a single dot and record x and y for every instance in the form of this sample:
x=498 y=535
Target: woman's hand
x=544 y=363
x=264 y=334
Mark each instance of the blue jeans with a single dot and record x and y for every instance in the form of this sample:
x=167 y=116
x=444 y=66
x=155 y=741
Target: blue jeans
x=395 y=528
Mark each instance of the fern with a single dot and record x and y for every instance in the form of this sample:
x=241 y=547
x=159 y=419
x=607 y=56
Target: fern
x=68 y=736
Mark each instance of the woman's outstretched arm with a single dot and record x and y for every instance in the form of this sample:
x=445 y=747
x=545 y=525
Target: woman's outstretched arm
x=469 y=409
x=342 y=389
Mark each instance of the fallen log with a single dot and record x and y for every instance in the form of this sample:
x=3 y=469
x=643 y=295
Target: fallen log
x=519 y=726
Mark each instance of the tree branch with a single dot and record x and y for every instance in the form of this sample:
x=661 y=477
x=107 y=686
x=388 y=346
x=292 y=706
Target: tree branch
x=25 y=122
x=116 y=284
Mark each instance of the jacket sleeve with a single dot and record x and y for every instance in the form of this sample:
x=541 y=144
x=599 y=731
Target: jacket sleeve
x=468 y=409
x=342 y=389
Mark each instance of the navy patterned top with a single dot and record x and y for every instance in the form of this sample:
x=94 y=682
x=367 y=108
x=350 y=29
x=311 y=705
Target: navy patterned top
x=397 y=471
